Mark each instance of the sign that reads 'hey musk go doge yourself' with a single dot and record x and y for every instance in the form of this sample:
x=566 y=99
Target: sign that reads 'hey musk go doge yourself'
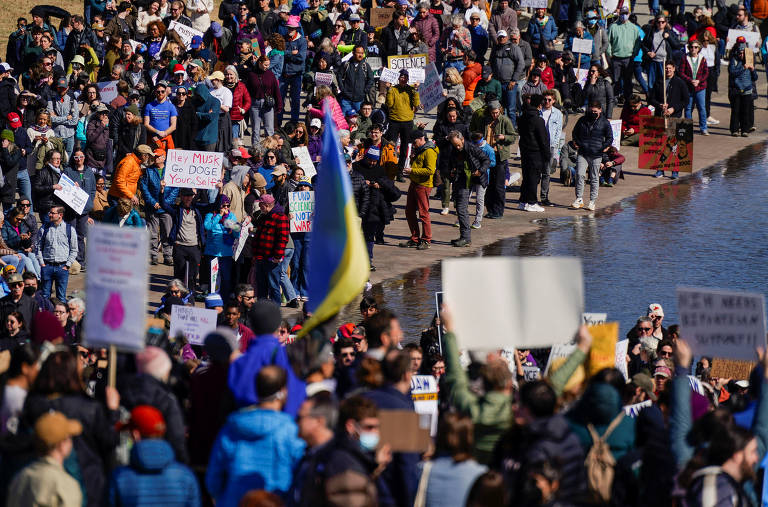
x=193 y=169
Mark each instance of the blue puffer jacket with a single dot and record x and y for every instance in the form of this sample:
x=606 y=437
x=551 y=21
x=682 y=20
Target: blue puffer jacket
x=256 y=449
x=218 y=239
x=134 y=219
x=149 y=183
x=153 y=478
x=294 y=64
x=548 y=32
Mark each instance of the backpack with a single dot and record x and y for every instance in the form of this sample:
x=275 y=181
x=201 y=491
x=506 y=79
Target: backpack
x=600 y=462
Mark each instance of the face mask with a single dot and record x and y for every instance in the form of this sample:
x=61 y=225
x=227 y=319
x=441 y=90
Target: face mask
x=591 y=116
x=29 y=291
x=252 y=26
x=592 y=22
x=369 y=440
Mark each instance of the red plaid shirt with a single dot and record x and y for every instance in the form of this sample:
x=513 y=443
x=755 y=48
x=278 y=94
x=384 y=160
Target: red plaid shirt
x=271 y=236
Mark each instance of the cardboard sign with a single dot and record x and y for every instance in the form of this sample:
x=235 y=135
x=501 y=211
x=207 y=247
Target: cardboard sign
x=193 y=169
x=582 y=46
x=404 y=431
x=72 y=195
x=512 y=289
x=431 y=90
x=418 y=61
x=749 y=59
x=593 y=319
x=304 y=160
x=621 y=358
x=116 y=286
x=728 y=368
x=752 y=38
x=535 y=4
x=603 y=351
x=381 y=16
x=194 y=323
x=301 y=206
x=667 y=148
x=616 y=129
x=389 y=76
x=107 y=91
x=722 y=323
x=424 y=396
x=186 y=33
x=214 y=273
x=323 y=79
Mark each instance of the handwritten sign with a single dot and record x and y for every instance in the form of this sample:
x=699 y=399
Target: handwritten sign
x=107 y=91
x=194 y=323
x=633 y=410
x=558 y=352
x=616 y=129
x=323 y=79
x=304 y=160
x=665 y=148
x=752 y=38
x=214 y=273
x=582 y=46
x=193 y=169
x=621 y=358
x=418 y=61
x=424 y=396
x=581 y=76
x=72 y=195
x=381 y=16
x=603 y=351
x=535 y=4
x=374 y=62
x=116 y=286
x=389 y=76
x=593 y=319
x=415 y=76
x=186 y=33
x=722 y=323
x=431 y=90
x=301 y=205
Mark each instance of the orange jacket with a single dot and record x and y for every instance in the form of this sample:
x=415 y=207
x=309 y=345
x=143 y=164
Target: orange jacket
x=126 y=177
x=470 y=77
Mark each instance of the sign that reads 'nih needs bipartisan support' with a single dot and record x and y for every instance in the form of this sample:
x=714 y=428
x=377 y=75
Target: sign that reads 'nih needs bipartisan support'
x=720 y=323
x=193 y=169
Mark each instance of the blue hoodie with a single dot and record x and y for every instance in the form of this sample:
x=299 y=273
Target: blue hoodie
x=256 y=449
x=264 y=350
x=207 y=110
x=153 y=478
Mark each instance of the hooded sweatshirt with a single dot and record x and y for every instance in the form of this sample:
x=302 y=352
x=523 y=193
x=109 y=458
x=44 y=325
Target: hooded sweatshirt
x=234 y=190
x=256 y=449
x=207 y=112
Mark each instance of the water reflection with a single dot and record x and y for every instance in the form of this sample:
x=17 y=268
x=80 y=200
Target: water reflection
x=708 y=231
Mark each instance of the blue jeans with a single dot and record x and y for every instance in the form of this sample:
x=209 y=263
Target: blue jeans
x=294 y=83
x=653 y=6
x=299 y=264
x=639 y=77
x=701 y=105
x=14 y=261
x=31 y=264
x=285 y=280
x=24 y=185
x=235 y=129
x=347 y=105
x=510 y=101
x=268 y=280
x=655 y=70
x=58 y=274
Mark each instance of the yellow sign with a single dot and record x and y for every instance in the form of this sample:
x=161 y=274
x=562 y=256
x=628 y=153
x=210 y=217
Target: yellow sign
x=603 y=352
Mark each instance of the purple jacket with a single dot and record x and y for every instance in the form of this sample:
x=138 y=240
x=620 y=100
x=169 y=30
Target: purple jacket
x=315 y=147
x=430 y=32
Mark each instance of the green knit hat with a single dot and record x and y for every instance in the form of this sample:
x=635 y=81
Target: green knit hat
x=7 y=134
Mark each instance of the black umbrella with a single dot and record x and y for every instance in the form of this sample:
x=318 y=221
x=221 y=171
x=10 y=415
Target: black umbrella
x=46 y=11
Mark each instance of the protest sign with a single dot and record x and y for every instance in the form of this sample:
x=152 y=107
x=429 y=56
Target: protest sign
x=389 y=76
x=431 y=90
x=512 y=288
x=592 y=319
x=214 y=273
x=535 y=4
x=582 y=46
x=242 y=238
x=374 y=62
x=621 y=358
x=633 y=410
x=749 y=59
x=667 y=148
x=301 y=206
x=192 y=322
x=186 y=33
x=72 y=195
x=193 y=169
x=323 y=78
x=404 y=431
x=616 y=129
x=581 y=76
x=304 y=160
x=116 y=286
x=415 y=76
x=398 y=62
x=424 y=396
x=728 y=368
x=719 y=323
x=381 y=16
x=135 y=45
x=107 y=91
x=609 y=6
x=561 y=351
x=438 y=306
x=709 y=54
x=603 y=351
x=752 y=38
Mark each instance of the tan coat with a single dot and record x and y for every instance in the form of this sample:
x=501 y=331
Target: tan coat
x=44 y=483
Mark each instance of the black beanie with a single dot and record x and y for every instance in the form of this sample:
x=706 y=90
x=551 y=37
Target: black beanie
x=264 y=317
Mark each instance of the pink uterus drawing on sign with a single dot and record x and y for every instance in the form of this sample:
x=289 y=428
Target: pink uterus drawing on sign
x=114 y=312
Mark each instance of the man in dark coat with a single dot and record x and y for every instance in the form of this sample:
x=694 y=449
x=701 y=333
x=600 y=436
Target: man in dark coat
x=592 y=136
x=676 y=97
x=534 y=153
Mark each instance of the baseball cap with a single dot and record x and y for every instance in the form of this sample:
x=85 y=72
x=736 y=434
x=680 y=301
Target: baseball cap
x=316 y=123
x=370 y=29
x=418 y=134
x=197 y=41
x=4 y=67
x=624 y=9
x=14 y=120
x=351 y=113
x=655 y=309
x=61 y=82
x=501 y=33
x=244 y=153
x=14 y=278
x=487 y=71
x=279 y=171
x=216 y=29
x=285 y=8
x=662 y=371
x=217 y=75
x=54 y=427
x=143 y=149
x=404 y=72
x=645 y=383
x=148 y=421
x=293 y=22
x=159 y=152
x=97 y=27
x=742 y=383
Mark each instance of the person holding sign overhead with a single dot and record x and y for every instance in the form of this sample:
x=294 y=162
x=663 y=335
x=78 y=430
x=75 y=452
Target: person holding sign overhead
x=402 y=103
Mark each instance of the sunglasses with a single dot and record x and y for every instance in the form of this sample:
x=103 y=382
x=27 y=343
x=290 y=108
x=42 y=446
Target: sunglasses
x=17 y=284
x=645 y=328
x=665 y=353
x=271 y=156
x=25 y=204
x=347 y=354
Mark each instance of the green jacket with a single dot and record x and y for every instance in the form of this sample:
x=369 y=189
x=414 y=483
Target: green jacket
x=363 y=126
x=492 y=86
x=623 y=40
x=424 y=164
x=491 y=413
x=504 y=126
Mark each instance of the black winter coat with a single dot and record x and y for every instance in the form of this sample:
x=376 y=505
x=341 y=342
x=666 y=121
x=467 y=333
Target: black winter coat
x=602 y=92
x=143 y=389
x=390 y=42
x=439 y=136
x=378 y=209
x=592 y=137
x=477 y=159
x=186 y=126
x=129 y=137
x=9 y=162
x=7 y=97
x=355 y=79
x=677 y=96
x=42 y=187
x=93 y=447
x=534 y=137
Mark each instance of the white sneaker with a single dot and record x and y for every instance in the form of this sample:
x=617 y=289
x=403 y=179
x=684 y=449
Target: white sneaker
x=445 y=211
x=713 y=121
x=534 y=207
x=591 y=206
x=577 y=204
x=521 y=206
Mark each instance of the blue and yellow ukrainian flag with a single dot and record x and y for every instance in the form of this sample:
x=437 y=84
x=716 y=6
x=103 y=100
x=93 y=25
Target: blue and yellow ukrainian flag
x=338 y=258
